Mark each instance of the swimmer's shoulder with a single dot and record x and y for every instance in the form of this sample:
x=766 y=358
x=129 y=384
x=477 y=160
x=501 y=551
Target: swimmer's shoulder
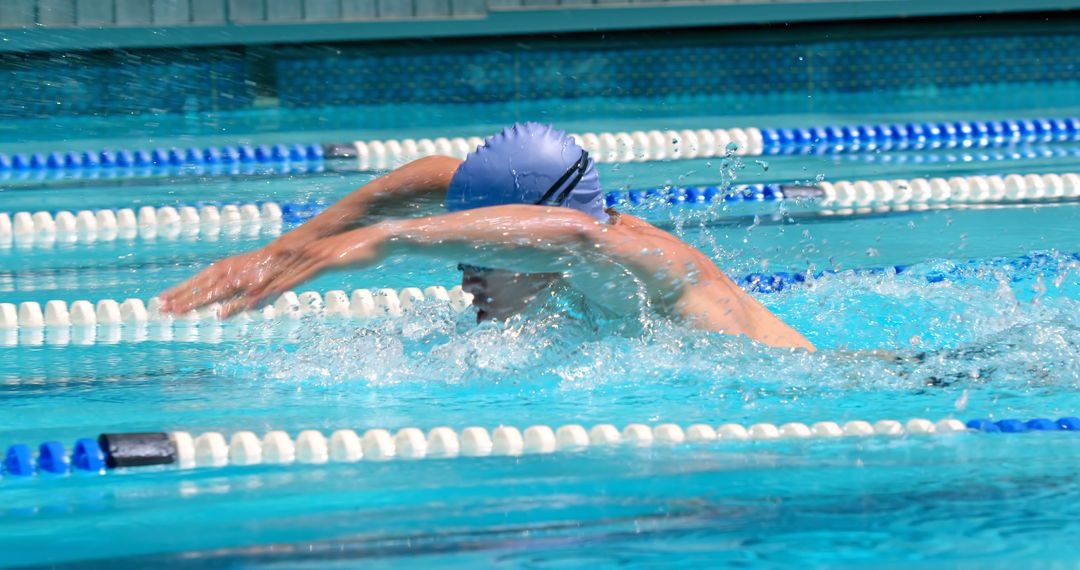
x=639 y=226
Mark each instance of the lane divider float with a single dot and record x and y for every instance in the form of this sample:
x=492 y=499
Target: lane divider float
x=612 y=146
x=110 y=321
x=914 y=193
x=104 y=177
x=89 y=226
x=242 y=154
x=842 y=197
x=954 y=190
x=919 y=135
x=212 y=449
x=110 y=316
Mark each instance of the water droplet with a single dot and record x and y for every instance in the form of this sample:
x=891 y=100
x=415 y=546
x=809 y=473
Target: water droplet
x=764 y=165
x=753 y=226
x=962 y=401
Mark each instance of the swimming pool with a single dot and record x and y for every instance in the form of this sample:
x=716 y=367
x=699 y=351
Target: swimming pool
x=977 y=300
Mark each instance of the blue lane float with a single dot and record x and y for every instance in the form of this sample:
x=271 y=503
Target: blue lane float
x=1068 y=423
x=147 y=169
x=52 y=458
x=163 y=157
x=1042 y=424
x=18 y=461
x=87 y=456
x=710 y=194
x=90 y=455
x=919 y=135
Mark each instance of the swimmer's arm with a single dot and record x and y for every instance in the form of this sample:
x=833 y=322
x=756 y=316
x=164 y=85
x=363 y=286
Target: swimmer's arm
x=719 y=305
x=536 y=239
x=407 y=191
x=529 y=239
x=232 y=280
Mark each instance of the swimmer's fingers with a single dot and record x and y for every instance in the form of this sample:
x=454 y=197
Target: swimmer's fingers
x=181 y=298
x=198 y=290
x=238 y=304
x=212 y=284
x=232 y=307
x=222 y=280
x=179 y=294
x=301 y=270
x=307 y=263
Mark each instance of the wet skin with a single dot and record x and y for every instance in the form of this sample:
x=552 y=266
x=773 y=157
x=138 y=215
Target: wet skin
x=617 y=265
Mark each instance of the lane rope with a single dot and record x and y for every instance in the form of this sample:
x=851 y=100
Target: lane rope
x=44 y=228
x=212 y=449
x=161 y=158
x=915 y=193
x=132 y=320
x=611 y=146
x=108 y=177
x=87 y=226
x=83 y=178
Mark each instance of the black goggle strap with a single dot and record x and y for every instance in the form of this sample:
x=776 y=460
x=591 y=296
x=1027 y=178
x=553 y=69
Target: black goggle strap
x=577 y=171
x=474 y=268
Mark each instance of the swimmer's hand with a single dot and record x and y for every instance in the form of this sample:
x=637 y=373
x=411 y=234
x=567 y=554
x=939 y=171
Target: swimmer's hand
x=244 y=281
x=228 y=281
x=357 y=248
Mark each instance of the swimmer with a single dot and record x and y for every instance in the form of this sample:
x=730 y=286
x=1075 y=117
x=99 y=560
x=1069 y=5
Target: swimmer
x=525 y=211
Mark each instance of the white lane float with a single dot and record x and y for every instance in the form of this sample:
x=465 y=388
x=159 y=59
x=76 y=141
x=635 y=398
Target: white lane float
x=134 y=319
x=148 y=222
x=412 y=443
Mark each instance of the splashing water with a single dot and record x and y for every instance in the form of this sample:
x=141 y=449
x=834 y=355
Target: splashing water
x=974 y=338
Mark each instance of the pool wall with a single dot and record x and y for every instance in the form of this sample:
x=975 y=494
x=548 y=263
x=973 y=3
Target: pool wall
x=907 y=65
x=51 y=25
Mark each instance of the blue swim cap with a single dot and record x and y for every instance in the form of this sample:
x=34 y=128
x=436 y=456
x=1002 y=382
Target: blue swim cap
x=528 y=163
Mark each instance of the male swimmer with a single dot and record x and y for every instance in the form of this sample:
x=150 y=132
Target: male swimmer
x=525 y=211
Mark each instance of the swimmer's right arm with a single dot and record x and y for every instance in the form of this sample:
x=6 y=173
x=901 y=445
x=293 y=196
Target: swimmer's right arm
x=398 y=192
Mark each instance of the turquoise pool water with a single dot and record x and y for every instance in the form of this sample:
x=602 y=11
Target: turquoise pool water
x=999 y=338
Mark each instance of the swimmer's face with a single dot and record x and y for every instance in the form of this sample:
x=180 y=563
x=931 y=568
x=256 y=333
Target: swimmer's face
x=500 y=294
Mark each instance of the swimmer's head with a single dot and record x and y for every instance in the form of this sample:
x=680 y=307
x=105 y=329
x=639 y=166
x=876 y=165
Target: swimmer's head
x=528 y=163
